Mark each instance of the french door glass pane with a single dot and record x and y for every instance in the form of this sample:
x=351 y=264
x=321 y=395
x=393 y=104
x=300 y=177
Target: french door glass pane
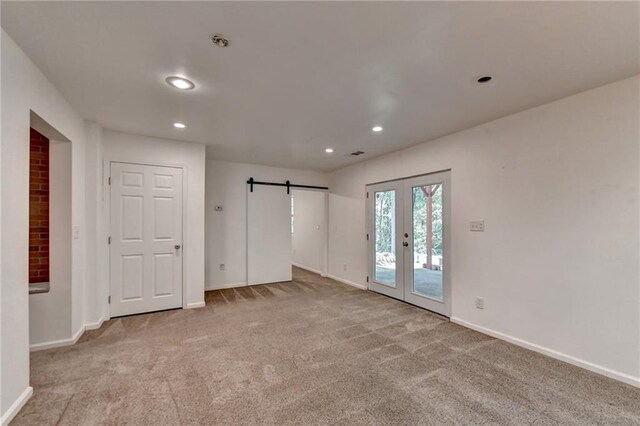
x=385 y=237
x=427 y=241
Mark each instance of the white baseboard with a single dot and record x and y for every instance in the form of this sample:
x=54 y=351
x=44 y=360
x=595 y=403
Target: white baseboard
x=70 y=341
x=95 y=325
x=17 y=405
x=347 y=282
x=195 y=305
x=306 y=268
x=222 y=287
x=633 y=381
x=57 y=343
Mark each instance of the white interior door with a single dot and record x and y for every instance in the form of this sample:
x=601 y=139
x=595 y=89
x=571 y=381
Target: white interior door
x=409 y=240
x=146 y=238
x=268 y=235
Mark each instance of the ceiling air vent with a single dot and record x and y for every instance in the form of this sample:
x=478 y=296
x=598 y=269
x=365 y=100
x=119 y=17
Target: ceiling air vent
x=355 y=154
x=220 y=40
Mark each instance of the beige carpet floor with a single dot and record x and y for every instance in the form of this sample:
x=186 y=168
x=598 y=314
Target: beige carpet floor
x=311 y=351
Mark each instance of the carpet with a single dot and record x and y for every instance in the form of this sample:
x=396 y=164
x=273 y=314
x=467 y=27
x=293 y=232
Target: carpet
x=310 y=351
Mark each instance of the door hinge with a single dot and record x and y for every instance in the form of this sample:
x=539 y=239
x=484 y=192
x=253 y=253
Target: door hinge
x=109 y=180
x=367 y=278
x=109 y=240
x=367 y=194
x=367 y=237
x=109 y=300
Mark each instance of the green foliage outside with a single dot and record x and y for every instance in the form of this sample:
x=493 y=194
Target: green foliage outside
x=384 y=205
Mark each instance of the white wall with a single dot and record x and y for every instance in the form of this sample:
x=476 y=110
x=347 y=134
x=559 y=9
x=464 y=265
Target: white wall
x=310 y=231
x=557 y=187
x=96 y=290
x=25 y=88
x=226 y=231
x=145 y=150
x=50 y=313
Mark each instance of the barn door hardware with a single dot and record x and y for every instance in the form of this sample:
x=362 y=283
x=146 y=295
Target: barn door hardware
x=287 y=184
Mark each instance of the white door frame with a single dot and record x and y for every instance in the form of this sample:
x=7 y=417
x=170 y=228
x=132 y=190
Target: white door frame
x=106 y=209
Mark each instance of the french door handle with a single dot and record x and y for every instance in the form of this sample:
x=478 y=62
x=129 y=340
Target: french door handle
x=405 y=244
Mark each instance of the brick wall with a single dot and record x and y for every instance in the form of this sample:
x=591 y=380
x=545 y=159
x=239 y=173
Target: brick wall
x=38 y=208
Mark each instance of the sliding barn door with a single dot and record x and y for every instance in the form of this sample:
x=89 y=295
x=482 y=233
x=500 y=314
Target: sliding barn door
x=268 y=235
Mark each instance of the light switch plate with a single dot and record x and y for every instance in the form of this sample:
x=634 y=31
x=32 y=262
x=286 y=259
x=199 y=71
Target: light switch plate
x=76 y=232
x=477 y=225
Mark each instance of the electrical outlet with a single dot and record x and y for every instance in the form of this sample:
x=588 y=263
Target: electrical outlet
x=477 y=225
x=222 y=266
x=480 y=302
x=344 y=267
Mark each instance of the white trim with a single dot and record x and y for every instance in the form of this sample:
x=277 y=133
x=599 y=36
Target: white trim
x=67 y=342
x=306 y=268
x=95 y=325
x=16 y=406
x=195 y=305
x=633 y=381
x=347 y=282
x=57 y=343
x=223 y=286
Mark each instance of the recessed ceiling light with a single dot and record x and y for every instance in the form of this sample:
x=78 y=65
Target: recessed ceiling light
x=179 y=125
x=377 y=128
x=328 y=150
x=485 y=79
x=180 y=83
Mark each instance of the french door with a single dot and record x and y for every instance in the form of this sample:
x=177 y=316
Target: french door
x=409 y=240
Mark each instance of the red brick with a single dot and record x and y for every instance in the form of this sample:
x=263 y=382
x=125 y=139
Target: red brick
x=38 y=207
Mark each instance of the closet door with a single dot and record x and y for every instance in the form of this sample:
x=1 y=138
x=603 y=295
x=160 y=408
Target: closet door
x=268 y=235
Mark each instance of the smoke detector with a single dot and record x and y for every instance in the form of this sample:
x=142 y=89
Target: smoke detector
x=220 y=40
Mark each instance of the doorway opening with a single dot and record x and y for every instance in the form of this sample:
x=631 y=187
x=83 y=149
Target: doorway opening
x=308 y=230
x=409 y=240
x=50 y=235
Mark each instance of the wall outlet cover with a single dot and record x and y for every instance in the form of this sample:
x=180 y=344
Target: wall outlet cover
x=476 y=225
x=480 y=302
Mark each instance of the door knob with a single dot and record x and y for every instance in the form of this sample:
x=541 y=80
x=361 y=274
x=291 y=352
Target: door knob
x=177 y=246
x=405 y=244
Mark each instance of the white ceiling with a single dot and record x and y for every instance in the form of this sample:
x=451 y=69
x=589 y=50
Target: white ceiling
x=300 y=77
